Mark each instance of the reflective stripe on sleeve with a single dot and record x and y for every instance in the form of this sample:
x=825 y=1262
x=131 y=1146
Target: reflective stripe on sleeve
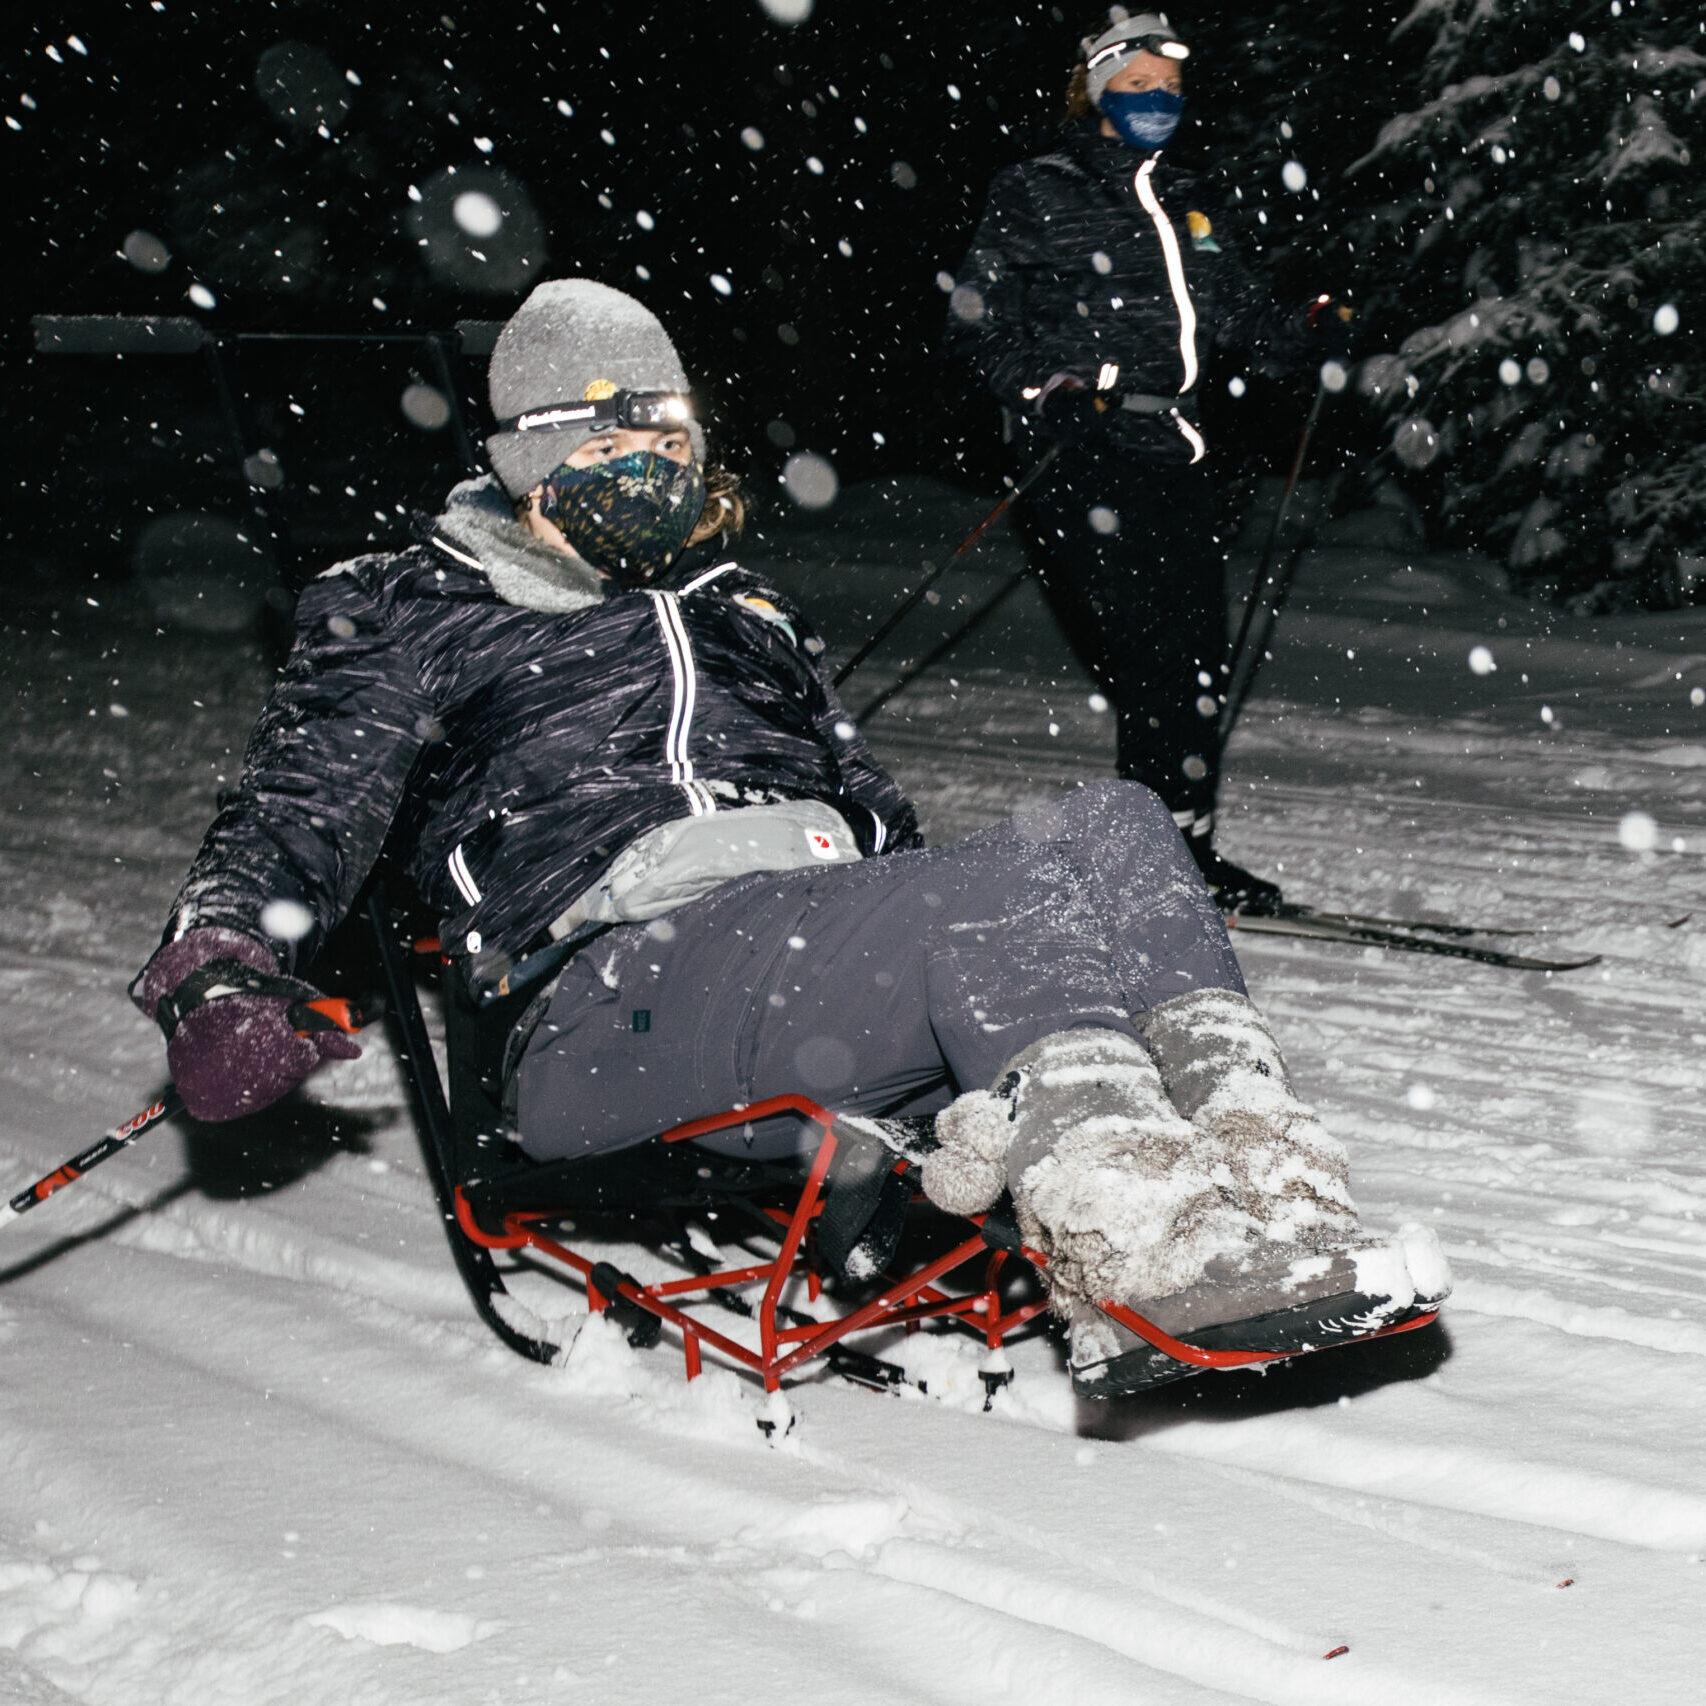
x=1198 y=444
x=707 y=577
x=462 y=876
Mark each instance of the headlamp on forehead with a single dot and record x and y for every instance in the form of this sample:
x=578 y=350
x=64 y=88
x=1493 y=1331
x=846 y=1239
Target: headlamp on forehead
x=1147 y=32
x=638 y=411
x=1169 y=47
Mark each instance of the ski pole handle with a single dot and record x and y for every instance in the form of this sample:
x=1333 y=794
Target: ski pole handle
x=328 y=1013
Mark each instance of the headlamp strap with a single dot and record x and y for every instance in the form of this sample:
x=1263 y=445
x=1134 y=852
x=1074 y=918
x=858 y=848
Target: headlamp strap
x=1167 y=47
x=646 y=411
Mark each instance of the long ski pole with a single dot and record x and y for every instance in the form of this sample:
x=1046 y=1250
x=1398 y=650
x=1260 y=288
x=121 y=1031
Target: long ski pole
x=1269 y=589
x=911 y=602
x=327 y=1013
x=971 y=624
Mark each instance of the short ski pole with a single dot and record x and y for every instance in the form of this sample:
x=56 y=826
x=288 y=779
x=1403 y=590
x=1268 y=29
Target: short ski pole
x=120 y=1137
x=1252 y=638
x=327 y=1013
x=910 y=603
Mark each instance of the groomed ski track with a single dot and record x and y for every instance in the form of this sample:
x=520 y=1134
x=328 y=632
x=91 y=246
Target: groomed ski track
x=254 y=1447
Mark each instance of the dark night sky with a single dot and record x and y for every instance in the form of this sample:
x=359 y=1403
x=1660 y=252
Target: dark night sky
x=278 y=179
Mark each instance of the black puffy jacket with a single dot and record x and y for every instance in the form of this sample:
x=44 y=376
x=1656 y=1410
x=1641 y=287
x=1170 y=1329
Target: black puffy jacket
x=516 y=750
x=1096 y=255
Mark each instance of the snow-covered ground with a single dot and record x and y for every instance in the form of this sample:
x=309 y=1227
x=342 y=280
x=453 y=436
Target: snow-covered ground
x=254 y=1446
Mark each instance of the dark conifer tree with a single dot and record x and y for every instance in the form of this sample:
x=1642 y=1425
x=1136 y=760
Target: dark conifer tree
x=1534 y=243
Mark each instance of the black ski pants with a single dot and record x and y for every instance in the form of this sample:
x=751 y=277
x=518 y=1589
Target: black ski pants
x=881 y=987
x=1127 y=555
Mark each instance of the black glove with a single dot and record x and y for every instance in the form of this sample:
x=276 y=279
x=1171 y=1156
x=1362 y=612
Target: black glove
x=1072 y=410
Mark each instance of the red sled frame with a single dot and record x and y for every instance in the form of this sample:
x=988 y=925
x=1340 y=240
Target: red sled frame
x=906 y=1301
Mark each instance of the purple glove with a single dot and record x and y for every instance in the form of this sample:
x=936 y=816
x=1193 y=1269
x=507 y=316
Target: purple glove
x=234 y=1027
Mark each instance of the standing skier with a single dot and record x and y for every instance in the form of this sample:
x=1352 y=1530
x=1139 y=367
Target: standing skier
x=610 y=762
x=1086 y=304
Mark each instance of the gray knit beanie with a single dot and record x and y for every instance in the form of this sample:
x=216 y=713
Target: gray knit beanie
x=1123 y=28
x=572 y=339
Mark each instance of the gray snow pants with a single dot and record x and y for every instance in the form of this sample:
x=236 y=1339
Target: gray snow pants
x=882 y=987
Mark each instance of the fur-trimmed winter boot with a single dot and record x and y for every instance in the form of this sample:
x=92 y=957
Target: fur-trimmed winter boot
x=1307 y=1277
x=1122 y=1195
x=1234 y=1230
x=1223 y=1071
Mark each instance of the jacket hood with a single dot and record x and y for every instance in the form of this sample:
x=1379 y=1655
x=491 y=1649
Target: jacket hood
x=479 y=521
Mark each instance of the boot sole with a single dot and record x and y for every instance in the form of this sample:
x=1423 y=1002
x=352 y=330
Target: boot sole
x=1318 y=1325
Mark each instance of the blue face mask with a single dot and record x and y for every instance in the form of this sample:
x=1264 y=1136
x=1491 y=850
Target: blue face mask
x=1144 y=119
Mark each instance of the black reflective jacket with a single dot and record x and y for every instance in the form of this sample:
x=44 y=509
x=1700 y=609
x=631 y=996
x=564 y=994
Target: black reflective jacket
x=1096 y=257
x=515 y=750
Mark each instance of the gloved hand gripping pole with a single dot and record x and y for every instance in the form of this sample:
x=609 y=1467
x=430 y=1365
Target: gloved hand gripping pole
x=329 y=1013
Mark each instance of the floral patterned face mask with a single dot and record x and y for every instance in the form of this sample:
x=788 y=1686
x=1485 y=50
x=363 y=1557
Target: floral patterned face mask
x=628 y=517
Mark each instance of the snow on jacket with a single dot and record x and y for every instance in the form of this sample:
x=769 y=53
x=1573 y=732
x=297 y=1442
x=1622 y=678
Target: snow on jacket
x=518 y=722
x=1097 y=254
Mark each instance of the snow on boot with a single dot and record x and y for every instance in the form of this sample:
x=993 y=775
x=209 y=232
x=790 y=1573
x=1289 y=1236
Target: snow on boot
x=1308 y=1279
x=1278 y=1298
x=1224 y=1072
x=967 y=1171
x=1123 y=1196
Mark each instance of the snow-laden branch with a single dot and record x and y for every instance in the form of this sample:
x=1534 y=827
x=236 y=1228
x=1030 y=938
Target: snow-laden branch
x=1452 y=105
x=1648 y=141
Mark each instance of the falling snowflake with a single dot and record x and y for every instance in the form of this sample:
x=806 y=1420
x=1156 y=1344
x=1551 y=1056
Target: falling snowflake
x=1637 y=832
x=810 y=480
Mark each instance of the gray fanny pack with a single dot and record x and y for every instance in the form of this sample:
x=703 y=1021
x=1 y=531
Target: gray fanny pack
x=680 y=861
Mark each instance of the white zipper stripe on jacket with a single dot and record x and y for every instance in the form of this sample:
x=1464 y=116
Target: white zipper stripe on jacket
x=1175 y=272
x=462 y=876
x=690 y=682
x=678 y=671
x=686 y=683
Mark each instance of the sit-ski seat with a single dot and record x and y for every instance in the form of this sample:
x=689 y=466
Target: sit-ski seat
x=835 y=1221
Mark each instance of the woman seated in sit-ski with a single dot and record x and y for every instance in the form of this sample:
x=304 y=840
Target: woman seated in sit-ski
x=620 y=777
